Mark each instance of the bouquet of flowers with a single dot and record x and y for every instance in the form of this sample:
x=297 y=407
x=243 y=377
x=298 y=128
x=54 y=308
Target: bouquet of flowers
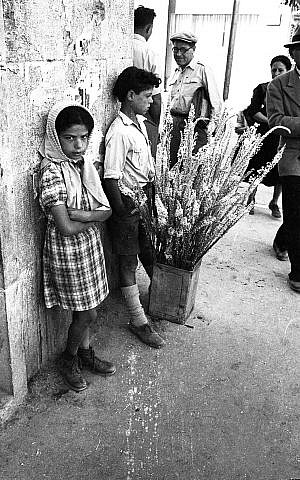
x=204 y=194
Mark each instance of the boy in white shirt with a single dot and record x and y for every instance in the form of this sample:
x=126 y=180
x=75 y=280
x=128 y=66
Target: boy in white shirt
x=127 y=154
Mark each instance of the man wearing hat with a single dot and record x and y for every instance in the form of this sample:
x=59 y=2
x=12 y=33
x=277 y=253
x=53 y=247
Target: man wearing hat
x=191 y=83
x=283 y=109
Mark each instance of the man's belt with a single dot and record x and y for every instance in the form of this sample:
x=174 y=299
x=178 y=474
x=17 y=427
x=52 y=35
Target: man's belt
x=179 y=114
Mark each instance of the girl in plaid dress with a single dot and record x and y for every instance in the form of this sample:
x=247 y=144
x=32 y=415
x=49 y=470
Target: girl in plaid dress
x=73 y=200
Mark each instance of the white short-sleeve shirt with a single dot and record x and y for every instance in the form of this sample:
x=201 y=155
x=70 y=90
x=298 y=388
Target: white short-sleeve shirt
x=127 y=151
x=145 y=58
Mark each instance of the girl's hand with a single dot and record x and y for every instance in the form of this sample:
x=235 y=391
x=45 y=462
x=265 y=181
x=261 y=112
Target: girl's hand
x=88 y=215
x=64 y=224
x=78 y=215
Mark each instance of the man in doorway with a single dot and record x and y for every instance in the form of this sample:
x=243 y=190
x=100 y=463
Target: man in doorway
x=283 y=109
x=191 y=83
x=145 y=58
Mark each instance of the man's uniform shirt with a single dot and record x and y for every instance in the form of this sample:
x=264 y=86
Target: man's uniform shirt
x=184 y=84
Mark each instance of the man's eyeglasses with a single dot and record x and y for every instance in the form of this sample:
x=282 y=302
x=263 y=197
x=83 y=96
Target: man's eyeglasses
x=180 y=50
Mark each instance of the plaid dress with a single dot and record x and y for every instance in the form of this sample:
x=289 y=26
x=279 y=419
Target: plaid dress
x=73 y=267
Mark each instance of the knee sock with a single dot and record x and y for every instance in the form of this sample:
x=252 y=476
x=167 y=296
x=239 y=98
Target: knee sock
x=132 y=299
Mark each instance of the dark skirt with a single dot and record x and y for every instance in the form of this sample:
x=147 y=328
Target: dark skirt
x=264 y=156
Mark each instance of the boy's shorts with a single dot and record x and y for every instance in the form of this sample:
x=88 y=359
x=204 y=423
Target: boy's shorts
x=128 y=235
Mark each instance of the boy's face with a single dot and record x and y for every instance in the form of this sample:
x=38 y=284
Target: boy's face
x=140 y=102
x=74 y=141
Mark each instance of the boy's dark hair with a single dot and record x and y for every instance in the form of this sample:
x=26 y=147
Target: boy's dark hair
x=136 y=79
x=143 y=16
x=283 y=59
x=73 y=115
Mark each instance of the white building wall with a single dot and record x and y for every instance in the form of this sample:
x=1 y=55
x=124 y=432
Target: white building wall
x=263 y=28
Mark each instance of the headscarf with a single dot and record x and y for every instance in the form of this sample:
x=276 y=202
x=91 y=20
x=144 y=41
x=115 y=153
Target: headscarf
x=51 y=150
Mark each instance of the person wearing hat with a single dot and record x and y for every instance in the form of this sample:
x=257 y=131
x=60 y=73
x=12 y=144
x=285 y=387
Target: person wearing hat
x=283 y=109
x=191 y=83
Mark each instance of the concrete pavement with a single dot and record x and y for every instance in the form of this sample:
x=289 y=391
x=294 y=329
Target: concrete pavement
x=220 y=401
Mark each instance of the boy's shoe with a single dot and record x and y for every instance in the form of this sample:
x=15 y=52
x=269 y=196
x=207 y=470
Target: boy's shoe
x=147 y=335
x=280 y=254
x=89 y=360
x=274 y=209
x=294 y=285
x=72 y=374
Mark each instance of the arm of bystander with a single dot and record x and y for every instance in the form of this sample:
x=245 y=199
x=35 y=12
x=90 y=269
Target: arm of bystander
x=114 y=196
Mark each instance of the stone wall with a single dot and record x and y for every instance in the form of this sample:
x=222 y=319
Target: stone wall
x=48 y=51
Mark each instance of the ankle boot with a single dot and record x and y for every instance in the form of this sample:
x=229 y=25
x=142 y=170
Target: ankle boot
x=71 y=373
x=92 y=362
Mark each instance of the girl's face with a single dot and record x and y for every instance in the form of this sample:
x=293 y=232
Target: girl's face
x=278 y=68
x=74 y=141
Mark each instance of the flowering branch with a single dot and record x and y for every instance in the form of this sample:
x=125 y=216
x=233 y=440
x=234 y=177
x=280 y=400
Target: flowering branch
x=204 y=194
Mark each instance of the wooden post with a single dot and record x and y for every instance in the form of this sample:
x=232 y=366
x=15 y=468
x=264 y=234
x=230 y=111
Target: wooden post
x=234 y=21
x=171 y=11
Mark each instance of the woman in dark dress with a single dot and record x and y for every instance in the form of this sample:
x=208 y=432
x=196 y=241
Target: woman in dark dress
x=256 y=113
